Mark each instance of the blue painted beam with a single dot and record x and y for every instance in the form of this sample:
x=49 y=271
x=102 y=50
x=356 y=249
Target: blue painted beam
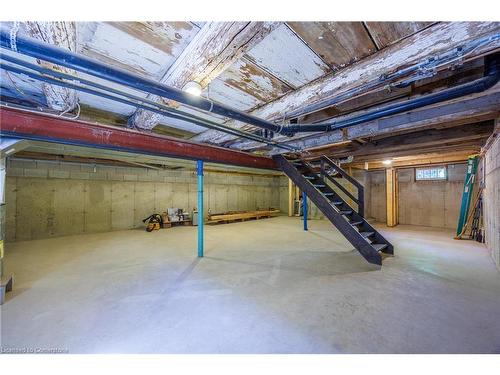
x=199 y=170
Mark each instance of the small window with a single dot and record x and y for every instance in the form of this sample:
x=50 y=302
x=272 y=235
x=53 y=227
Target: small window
x=434 y=173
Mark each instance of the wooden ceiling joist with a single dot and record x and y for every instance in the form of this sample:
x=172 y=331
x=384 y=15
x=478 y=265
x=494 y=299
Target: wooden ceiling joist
x=418 y=160
x=428 y=139
x=214 y=48
x=414 y=49
x=61 y=34
x=475 y=108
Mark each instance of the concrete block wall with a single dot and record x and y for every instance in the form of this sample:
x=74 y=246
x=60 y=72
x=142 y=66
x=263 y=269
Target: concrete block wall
x=375 y=195
x=430 y=203
x=491 y=198
x=314 y=212
x=48 y=199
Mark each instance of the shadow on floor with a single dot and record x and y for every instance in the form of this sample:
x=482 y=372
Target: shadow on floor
x=311 y=263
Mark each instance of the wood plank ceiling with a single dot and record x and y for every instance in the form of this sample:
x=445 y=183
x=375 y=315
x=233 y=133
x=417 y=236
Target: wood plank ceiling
x=290 y=56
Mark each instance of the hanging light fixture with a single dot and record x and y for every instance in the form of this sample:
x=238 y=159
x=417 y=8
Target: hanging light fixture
x=387 y=162
x=193 y=88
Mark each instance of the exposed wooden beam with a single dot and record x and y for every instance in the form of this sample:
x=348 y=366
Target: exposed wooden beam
x=422 y=159
x=479 y=107
x=431 y=41
x=473 y=145
x=442 y=80
x=291 y=197
x=100 y=116
x=214 y=48
x=409 y=141
x=392 y=196
x=63 y=35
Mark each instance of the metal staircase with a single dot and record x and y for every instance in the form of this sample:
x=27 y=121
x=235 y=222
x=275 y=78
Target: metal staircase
x=350 y=221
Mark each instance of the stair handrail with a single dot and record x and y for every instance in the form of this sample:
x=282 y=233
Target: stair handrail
x=360 y=199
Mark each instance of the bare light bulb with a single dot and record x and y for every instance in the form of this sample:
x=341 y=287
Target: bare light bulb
x=193 y=88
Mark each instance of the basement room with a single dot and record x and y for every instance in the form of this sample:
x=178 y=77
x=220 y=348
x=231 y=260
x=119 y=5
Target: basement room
x=250 y=187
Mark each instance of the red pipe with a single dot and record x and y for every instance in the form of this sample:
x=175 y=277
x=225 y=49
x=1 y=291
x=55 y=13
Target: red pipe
x=28 y=125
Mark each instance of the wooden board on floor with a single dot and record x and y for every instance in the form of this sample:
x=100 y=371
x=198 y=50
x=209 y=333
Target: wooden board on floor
x=242 y=215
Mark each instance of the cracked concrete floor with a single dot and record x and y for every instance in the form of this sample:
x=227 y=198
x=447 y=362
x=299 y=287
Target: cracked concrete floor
x=264 y=287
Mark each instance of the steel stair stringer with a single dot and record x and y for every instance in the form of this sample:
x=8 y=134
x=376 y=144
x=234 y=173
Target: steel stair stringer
x=370 y=251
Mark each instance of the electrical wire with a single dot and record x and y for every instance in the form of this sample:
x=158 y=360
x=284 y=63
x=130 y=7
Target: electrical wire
x=24 y=95
x=424 y=69
x=132 y=100
x=68 y=109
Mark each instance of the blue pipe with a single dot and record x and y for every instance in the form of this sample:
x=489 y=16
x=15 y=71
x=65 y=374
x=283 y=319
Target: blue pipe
x=51 y=77
x=304 y=209
x=199 y=170
x=60 y=56
x=419 y=71
x=492 y=76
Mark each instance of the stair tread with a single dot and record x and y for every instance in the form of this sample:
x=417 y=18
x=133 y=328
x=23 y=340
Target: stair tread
x=301 y=171
x=356 y=222
x=367 y=234
x=379 y=246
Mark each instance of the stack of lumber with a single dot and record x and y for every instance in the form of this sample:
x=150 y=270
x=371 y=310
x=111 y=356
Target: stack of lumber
x=241 y=215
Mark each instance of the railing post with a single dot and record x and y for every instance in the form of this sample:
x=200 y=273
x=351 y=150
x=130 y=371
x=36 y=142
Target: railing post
x=322 y=170
x=361 y=200
x=199 y=170
x=304 y=208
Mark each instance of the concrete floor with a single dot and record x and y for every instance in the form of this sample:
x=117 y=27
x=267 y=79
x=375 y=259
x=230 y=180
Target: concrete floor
x=264 y=287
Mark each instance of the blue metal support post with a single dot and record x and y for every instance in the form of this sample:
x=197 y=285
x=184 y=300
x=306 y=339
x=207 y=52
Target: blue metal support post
x=304 y=209
x=199 y=169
